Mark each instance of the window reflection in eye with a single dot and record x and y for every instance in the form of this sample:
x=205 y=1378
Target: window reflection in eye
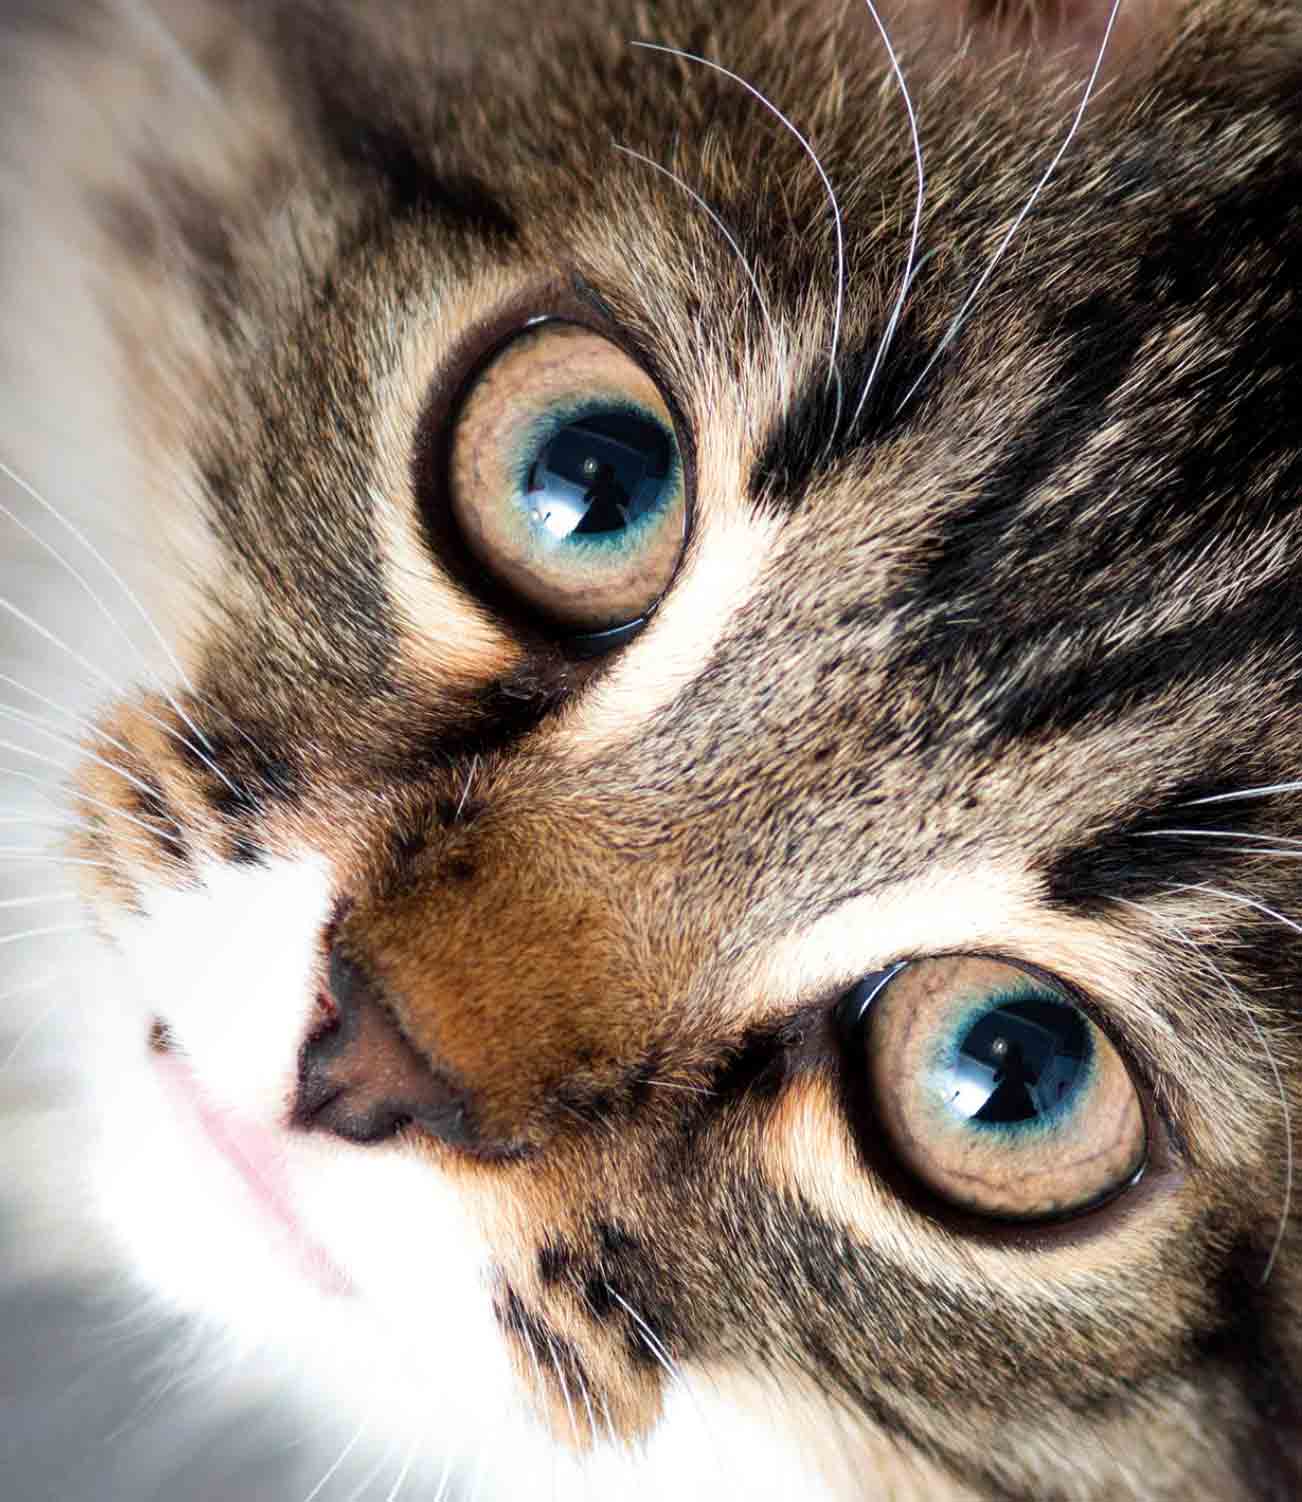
x=996 y=1091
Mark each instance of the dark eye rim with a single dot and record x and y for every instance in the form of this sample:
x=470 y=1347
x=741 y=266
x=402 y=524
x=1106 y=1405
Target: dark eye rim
x=571 y=302
x=1163 y=1169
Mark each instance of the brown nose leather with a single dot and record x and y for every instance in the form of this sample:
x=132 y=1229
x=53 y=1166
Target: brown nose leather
x=361 y=1080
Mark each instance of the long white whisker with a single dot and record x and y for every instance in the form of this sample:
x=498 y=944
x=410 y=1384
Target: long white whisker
x=338 y=1462
x=1266 y=1050
x=906 y=281
x=1239 y=897
x=653 y=1344
x=672 y=1085
x=87 y=727
x=1217 y=834
x=80 y=537
x=98 y=674
x=102 y=677
x=1262 y=792
x=404 y=1472
x=837 y=224
x=79 y=578
x=28 y=1033
x=111 y=766
x=99 y=803
x=364 y=1485
x=948 y=337
x=565 y=1394
x=465 y=791
x=666 y=1362
x=42 y=933
x=68 y=714
x=47 y=728
x=21 y=854
x=10 y=903
x=737 y=251
x=444 y=1477
x=587 y=1405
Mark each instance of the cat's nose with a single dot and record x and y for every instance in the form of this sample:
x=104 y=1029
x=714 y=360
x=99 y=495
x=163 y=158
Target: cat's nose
x=360 y=1079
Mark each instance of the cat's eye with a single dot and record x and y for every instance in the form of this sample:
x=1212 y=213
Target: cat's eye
x=995 y=1090
x=566 y=480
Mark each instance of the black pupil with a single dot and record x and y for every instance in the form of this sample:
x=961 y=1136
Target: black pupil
x=1021 y=1061
x=599 y=474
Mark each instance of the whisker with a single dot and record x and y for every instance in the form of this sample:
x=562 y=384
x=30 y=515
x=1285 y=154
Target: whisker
x=948 y=337
x=1261 y=792
x=98 y=803
x=338 y=1462
x=29 y=1032
x=444 y=1477
x=116 y=689
x=364 y=1485
x=46 y=634
x=100 y=761
x=653 y=1344
x=1217 y=834
x=35 y=854
x=10 y=903
x=1239 y=897
x=837 y=224
x=78 y=536
x=906 y=281
x=41 y=933
x=404 y=1472
x=666 y=1362
x=39 y=722
x=565 y=1393
x=68 y=714
x=465 y=791
x=88 y=728
x=587 y=1404
x=672 y=1085
x=1265 y=1048
x=737 y=251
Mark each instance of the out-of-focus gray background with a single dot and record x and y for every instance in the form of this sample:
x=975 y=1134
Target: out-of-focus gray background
x=82 y=1418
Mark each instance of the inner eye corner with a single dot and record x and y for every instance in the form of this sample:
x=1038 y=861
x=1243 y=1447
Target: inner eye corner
x=995 y=1094
x=555 y=483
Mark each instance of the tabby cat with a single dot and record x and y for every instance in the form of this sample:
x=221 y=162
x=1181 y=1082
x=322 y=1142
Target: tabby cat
x=674 y=633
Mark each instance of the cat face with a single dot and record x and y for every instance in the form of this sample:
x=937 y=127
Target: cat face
x=716 y=816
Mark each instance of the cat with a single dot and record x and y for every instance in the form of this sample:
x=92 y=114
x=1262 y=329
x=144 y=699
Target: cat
x=673 y=633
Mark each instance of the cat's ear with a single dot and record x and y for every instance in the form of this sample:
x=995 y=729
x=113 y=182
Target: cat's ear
x=1124 y=32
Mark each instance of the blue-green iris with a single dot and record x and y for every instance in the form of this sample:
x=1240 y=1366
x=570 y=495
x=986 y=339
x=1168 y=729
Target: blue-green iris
x=597 y=478
x=1020 y=1063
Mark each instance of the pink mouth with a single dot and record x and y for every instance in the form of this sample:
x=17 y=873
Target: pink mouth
x=257 y=1155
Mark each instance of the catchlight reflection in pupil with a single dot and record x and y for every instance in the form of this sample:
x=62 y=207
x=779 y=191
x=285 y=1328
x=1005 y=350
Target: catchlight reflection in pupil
x=1021 y=1061
x=599 y=476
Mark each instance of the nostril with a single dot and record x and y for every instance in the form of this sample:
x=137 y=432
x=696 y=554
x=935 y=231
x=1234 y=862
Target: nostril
x=360 y=1079
x=325 y=1015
